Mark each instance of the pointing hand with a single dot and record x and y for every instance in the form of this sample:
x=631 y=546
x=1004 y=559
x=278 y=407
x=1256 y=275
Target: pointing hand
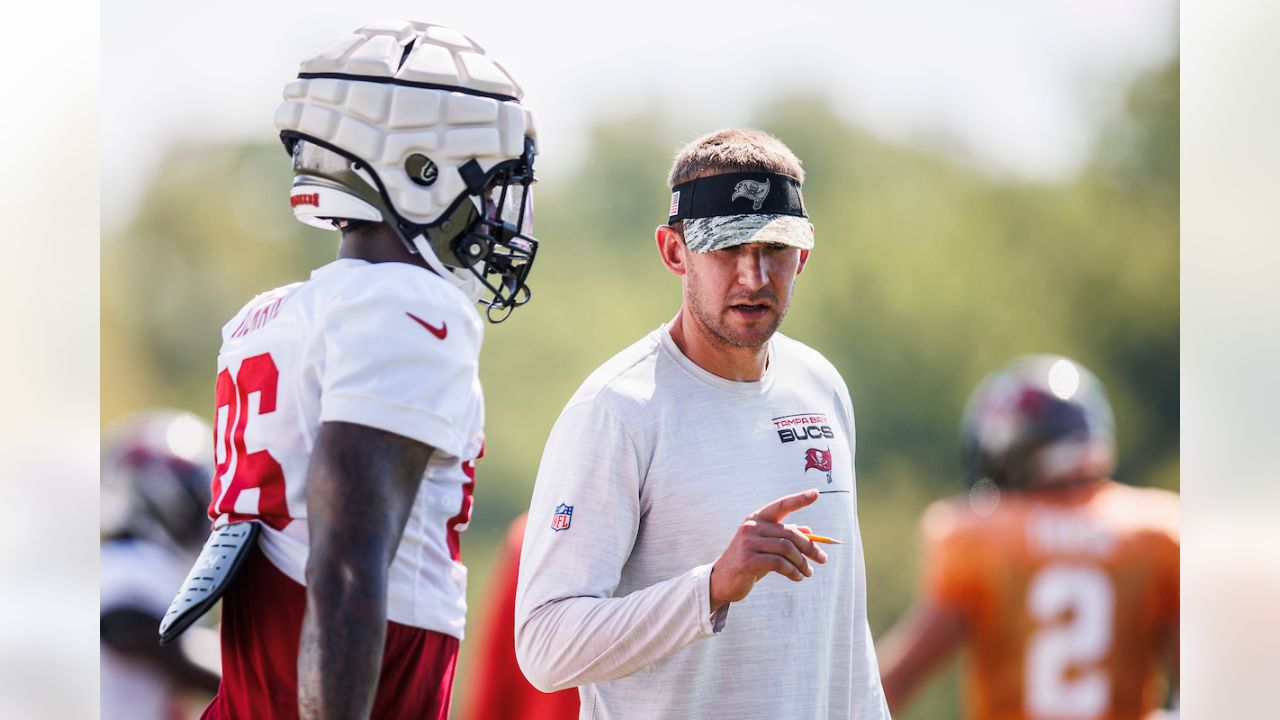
x=761 y=545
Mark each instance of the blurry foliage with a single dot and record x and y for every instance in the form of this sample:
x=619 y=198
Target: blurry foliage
x=927 y=275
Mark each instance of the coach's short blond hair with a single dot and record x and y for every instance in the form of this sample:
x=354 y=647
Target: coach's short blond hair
x=733 y=150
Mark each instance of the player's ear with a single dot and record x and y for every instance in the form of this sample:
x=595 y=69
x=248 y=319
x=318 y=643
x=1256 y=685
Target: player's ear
x=804 y=259
x=671 y=249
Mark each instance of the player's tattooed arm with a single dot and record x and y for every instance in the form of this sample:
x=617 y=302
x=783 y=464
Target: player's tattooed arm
x=360 y=488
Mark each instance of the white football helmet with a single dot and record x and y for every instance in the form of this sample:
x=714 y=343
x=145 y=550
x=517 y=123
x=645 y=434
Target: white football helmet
x=411 y=124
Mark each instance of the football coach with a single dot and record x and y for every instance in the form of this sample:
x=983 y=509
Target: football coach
x=669 y=567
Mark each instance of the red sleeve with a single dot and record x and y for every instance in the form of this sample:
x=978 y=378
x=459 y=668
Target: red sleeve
x=498 y=690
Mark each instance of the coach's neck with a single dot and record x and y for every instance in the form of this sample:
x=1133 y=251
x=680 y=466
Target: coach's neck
x=713 y=354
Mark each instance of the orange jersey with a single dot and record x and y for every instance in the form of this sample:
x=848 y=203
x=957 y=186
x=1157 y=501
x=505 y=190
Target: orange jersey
x=1069 y=597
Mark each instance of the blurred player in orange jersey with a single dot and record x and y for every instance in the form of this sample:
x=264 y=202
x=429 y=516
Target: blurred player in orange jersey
x=1062 y=583
x=500 y=690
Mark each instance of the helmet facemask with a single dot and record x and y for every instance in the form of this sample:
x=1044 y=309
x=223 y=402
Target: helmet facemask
x=497 y=246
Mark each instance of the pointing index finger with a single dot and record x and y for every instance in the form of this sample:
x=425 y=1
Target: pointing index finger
x=783 y=506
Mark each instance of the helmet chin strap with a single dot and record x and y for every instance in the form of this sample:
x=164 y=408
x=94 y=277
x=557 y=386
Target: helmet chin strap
x=464 y=280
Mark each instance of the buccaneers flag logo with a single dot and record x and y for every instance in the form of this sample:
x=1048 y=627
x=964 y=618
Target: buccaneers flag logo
x=820 y=460
x=815 y=459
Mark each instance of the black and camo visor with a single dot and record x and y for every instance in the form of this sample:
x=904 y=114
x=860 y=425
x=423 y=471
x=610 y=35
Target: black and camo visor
x=721 y=211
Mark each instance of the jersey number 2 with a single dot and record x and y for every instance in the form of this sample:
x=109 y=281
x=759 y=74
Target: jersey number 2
x=246 y=485
x=1084 y=596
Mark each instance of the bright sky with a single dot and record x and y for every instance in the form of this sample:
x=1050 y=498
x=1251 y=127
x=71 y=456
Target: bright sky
x=1020 y=86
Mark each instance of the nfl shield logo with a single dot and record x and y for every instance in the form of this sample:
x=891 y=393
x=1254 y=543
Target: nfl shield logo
x=563 y=516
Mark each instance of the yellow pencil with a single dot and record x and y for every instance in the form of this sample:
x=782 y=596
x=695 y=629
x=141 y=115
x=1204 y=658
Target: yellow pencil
x=823 y=539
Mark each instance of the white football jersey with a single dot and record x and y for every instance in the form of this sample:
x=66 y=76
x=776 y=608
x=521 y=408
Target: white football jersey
x=387 y=345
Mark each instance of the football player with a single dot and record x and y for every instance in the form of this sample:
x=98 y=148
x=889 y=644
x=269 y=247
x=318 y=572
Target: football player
x=349 y=409
x=1062 y=583
x=155 y=490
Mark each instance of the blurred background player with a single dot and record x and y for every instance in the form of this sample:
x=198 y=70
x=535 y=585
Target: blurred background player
x=1062 y=583
x=499 y=690
x=156 y=467
x=349 y=408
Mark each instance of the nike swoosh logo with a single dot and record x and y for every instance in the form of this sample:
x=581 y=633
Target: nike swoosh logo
x=439 y=332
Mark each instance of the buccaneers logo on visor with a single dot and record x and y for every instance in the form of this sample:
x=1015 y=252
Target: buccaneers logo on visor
x=753 y=190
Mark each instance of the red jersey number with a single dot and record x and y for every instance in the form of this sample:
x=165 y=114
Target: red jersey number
x=459 y=521
x=254 y=488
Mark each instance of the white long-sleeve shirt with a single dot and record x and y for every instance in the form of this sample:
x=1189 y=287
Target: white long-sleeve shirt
x=646 y=476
